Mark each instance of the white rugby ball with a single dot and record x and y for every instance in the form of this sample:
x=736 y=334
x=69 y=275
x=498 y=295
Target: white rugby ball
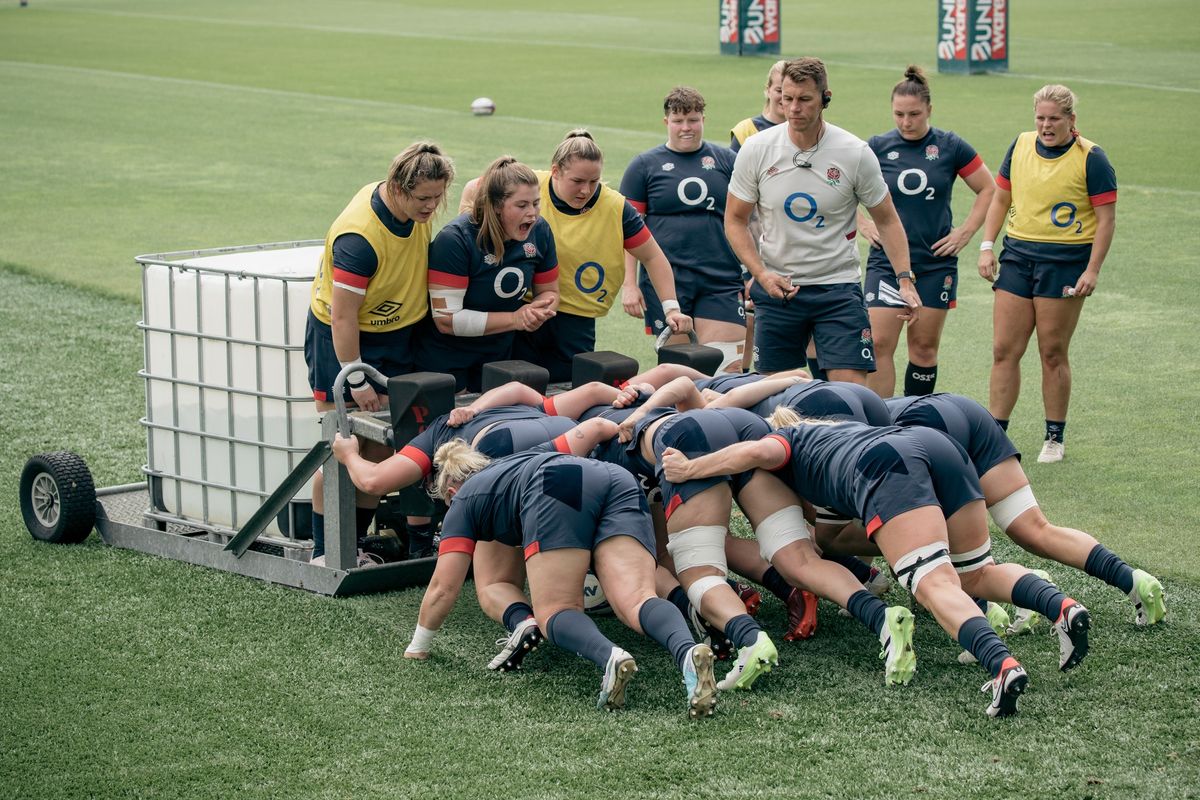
x=483 y=107
x=594 y=600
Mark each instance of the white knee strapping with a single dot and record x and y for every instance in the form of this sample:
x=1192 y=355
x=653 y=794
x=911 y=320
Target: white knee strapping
x=697 y=590
x=779 y=530
x=916 y=564
x=699 y=546
x=972 y=560
x=732 y=352
x=1005 y=512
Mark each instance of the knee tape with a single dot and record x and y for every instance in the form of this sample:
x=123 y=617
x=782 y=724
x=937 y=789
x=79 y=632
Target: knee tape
x=1005 y=512
x=699 y=546
x=975 y=559
x=730 y=351
x=698 y=589
x=779 y=530
x=916 y=564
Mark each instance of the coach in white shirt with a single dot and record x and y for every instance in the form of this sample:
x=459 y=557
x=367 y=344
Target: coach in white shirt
x=806 y=178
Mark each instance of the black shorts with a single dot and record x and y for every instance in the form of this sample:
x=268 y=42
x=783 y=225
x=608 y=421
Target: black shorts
x=699 y=297
x=517 y=435
x=910 y=469
x=461 y=356
x=834 y=316
x=938 y=288
x=555 y=344
x=390 y=352
x=578 y=503
x=1029 y=279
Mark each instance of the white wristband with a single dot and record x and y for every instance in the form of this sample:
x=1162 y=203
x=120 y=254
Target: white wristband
x=420 y=641
x=985 y=245
x=669 y=305
x=355 y=379
x=469 y=323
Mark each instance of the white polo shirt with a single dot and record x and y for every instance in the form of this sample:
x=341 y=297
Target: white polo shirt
x=808 y=213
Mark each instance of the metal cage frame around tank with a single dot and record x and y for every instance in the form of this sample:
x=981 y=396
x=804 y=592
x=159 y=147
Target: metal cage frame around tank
x=286 y=544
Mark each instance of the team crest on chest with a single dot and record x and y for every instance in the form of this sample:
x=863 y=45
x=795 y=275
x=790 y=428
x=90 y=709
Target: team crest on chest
x=667 y=167
x=490 y=260
x=708 y=162
x=892 y=156
x=773 y=170
x=530 y=249
x=865 y=338
x=931 y=152
x=833 y=176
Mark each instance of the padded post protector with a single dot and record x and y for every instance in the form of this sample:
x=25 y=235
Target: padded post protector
x=415 y=400
x=499 y=373
x=605 y=366
x=697 y=356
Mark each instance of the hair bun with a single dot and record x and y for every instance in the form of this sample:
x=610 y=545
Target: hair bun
x=579 y=133
x=915 y=74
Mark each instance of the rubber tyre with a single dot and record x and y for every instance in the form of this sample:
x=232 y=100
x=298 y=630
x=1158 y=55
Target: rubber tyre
x=58 y=498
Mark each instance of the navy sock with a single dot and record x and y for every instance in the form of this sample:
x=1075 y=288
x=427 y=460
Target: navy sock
x=919 y=380
x=742 y=630
x=1039 y=595
x=867 y=609
x=1003 y=423
x=983 y=604
x=1106 y=565
x=516 y=613
x=776 y=584
x=815 y=370
x=978 y=639
x=860 y=570
x=362 y=520
x=678 y=597
x=318 y=534
x=1056 y=431
x=420 y=538
x=663 y=623
x=574 y=631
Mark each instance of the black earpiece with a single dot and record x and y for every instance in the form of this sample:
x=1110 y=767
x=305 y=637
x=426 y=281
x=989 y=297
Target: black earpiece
x=825 y=98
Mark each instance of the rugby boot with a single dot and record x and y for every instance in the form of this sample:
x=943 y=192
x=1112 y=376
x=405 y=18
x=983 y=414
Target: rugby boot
x=895 y=640
x=1072 y=630
x=1006 y=688
x=1149 y=599
x=617 y=673
x=750 y=597
x=700 y=682
x=802 y=615
x=712 y=636
x=524 y=639
x=752 y=661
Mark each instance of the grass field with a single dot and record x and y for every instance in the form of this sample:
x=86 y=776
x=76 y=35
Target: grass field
x=132 y=126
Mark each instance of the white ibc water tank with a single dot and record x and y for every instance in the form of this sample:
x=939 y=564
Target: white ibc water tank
x=229 y=411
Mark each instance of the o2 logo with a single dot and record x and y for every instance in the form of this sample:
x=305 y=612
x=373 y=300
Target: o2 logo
x=1059 y=219
x=802 y=207
x=921 y=186
x=703 y=196
x=499 y=283
x=589 y=278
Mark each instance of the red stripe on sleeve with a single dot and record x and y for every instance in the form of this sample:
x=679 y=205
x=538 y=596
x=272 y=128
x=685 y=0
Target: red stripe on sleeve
x=1104 y=199
x=676 y=502
x=638 y=239
x=638 y=205
x=457 y=544
x=973 y=166
x=787 y=446
x=447 y=279
x=532 y=550
x=350 y=279
x=548 y=406
x=875 y=524
x=548 y=276
x=1004 y=183
x=417 y=457
x=562 y=445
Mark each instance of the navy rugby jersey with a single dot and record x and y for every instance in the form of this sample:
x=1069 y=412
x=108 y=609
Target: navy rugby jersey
x=456 y=260
x=822 y=461
x=920 y=176
x=961 y=418
x=823 y=400
x=422 y=448
x=683 y=198
x=727 y=382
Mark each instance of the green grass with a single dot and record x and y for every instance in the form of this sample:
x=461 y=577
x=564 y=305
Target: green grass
x=132 y=126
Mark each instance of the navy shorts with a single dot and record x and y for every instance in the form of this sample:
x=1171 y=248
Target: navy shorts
x=841 y=400
x=578 y=503
x=938 y=288
x=833 y=315
x=700 y=297
x=555 y=344
x=517 y=435
x=390 y=352
x=695 y=435
x=910 y=469
x=461 y=356
x=1029 y=279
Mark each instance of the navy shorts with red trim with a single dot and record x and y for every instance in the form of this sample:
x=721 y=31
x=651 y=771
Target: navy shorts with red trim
x=910 y=469
x=1029 y=279
x=938 y=288
x=390 y=352
x=699 y=297
x=695 y=435
x=517 y=435
x=555 y=344
x=578 y=503
x=833 y=315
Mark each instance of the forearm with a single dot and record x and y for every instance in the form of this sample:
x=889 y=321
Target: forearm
x=658 y=269
x=996 y=212
x=737 y=232
x=1105 y=228
x=444 y=588
x=510 y=394
x=749 y=394
x=978 y=213
x=345 y=338
x=630 y=280
x=547 y=293
x=731 y=460
x=895 y=243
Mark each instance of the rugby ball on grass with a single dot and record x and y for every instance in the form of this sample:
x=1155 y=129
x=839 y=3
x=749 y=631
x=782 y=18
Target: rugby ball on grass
x=483 y=107
x=594 y=601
